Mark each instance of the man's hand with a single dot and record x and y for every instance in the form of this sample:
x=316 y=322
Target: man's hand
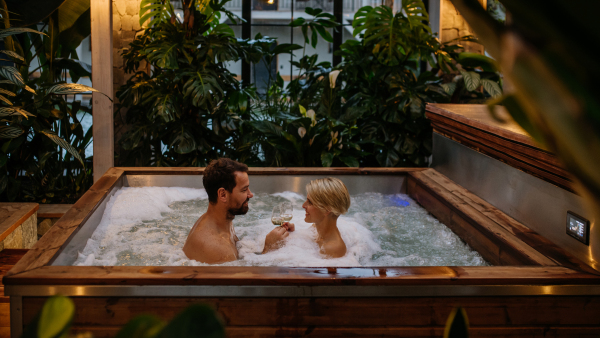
x=274 y=239
x=289 y=226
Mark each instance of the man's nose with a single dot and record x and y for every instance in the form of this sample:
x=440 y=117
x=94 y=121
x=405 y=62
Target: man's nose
x=250 y=194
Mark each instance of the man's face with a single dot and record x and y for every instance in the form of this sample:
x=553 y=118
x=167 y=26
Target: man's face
x=240 y=195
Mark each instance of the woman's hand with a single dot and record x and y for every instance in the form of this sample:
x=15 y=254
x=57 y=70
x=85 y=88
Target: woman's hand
x=289 y=226
x=275 y=238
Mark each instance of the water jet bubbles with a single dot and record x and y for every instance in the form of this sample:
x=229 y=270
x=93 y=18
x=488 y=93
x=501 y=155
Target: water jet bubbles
x=379 y=230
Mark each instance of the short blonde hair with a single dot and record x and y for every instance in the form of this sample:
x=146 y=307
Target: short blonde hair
x=329 y=194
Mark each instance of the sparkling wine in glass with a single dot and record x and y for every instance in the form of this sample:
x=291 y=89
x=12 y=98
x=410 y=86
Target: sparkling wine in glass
x=287 y=210
x=276 y=218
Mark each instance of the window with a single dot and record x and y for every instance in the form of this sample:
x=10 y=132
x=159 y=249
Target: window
x=272 y=18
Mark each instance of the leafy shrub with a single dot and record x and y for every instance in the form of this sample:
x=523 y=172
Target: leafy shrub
x=188 y=108
x=42 y=142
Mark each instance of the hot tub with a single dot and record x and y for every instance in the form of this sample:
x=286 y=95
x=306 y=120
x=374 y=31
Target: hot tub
x=534 y=287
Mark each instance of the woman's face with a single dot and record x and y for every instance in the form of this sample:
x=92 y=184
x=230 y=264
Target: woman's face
x=313 y=214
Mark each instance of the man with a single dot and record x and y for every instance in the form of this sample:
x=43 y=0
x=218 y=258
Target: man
x=212 y=239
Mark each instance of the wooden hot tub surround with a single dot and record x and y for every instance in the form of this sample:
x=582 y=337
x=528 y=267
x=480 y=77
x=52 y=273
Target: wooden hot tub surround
x=534 y=288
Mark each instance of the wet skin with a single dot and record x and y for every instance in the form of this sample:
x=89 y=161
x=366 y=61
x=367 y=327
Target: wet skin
x=212 y=239
x=329 y=238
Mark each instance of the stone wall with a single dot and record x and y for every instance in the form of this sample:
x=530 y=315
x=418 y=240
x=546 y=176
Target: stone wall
x=454 y=26
x=126 y=24
x=23 y=237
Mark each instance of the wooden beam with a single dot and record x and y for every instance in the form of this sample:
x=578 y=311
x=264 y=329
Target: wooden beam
x=102 y=80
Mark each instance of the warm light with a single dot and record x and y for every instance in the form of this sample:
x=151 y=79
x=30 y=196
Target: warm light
x=270 y=2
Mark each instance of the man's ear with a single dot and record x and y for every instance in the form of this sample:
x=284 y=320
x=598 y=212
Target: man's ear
x=222 y=195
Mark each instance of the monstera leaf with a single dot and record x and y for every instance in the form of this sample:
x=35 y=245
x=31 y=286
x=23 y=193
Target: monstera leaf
x=153 y=12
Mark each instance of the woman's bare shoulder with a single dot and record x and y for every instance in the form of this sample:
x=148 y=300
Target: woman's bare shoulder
x=333 y=249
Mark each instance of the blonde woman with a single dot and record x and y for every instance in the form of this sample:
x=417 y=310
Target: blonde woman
x=326 y=200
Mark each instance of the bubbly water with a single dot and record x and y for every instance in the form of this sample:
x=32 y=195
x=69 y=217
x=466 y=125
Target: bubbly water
x=149 y=225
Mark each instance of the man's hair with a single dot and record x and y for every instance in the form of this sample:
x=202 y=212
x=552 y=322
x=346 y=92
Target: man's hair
x=329 y=194
x=221 y=174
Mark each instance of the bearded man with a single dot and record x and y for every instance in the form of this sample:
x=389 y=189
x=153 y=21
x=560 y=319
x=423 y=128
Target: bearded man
x=212 y=239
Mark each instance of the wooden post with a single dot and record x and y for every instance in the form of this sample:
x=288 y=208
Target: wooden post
x=102 y=80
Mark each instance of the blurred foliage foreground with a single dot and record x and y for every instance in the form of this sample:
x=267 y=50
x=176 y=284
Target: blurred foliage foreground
x=197 y=321
x=547 y=54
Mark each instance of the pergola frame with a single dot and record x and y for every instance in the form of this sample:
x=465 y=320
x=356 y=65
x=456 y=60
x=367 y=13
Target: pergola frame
x=102 y=80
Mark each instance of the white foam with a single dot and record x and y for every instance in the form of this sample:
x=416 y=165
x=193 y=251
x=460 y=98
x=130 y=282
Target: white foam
x=148 y=226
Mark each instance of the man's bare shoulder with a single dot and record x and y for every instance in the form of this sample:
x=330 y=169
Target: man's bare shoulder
x=205 y=245
x=209 y=251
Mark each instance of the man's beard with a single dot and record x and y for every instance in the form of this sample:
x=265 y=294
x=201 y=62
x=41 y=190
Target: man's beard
x=241 y=210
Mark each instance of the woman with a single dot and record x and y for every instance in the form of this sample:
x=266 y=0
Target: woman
x=326 y=200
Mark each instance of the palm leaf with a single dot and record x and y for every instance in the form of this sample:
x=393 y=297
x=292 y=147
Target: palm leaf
x=10 y=132
x=12 y=54
x=7 y=92
x=17 y=30
x=12 y=74
x=29 y=89
x=12 y=111
x=5 y=100
x=72 y=88
x=63 y=144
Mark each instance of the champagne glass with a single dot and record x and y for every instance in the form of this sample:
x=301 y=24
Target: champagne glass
x=276 y=218
x=287 y=210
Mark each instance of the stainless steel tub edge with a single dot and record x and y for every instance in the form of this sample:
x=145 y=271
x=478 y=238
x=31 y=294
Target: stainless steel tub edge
x=299 y=291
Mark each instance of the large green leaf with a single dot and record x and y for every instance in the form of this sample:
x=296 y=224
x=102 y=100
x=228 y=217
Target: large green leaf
x=10 y=132
x=5 y=100
x=327 y=159
x=184 y=143
x=477 y=60
x=17 y=30
x=29 y=12
x=70 y=11
x=491 y=87
x=64 y=144
x=457 y=325
x=76 y=68
x=12 y=54
x=153 y=12
x=144 y=326
x=71 y=88
x=471 y=80
x=349 y=161
x=7 y=92
x=12 y=74
x=14 y=111
x=56 y=316
x=71 y=37
x=196 y=321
